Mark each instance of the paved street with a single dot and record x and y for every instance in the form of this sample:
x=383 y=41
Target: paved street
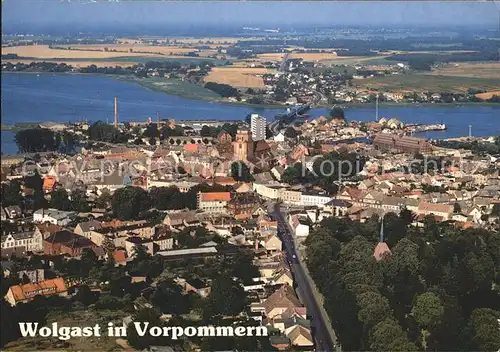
x=323 y=334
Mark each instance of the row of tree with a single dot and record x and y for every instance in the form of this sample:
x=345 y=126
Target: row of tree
x=130 y=202
x=438 y=289
x=36 y=140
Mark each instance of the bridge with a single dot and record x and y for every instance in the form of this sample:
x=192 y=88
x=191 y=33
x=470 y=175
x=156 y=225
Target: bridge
x=296 y=112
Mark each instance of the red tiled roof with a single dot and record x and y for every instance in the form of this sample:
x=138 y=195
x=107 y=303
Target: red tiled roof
x=49 y=183
x=191 y=148
x=45 y=288
x=215 y=196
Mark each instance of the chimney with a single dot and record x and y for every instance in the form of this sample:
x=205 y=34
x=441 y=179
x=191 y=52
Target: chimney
x=116 y=112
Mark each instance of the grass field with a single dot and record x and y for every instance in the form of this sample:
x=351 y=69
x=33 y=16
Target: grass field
x=423 y=82
x=237 y=76
x=174 y=87
x=471 y=69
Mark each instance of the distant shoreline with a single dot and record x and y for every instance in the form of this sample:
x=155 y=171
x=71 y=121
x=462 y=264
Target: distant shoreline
x=148 y=85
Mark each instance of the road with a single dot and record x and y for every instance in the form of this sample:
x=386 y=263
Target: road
x=282 y=67
x=323 y=334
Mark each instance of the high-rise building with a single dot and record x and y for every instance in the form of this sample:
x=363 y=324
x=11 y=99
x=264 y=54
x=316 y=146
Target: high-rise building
x=258 y=127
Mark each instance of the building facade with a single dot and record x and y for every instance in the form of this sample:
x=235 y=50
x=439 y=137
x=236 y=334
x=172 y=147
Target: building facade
x=258 y=127
x=243 y=145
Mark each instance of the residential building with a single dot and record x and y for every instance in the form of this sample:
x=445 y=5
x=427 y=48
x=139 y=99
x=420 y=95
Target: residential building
x=69 y=243
x=54 y=216
x=200 y=287
x=258 y=127
x=31 y=240
x=242 y=205
x=132 y=242
x=317 y=199
x=213 y=202
x=25 y=293
x=444 y=211
x=404 y=144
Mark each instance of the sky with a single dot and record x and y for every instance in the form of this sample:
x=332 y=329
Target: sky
x=28 y=13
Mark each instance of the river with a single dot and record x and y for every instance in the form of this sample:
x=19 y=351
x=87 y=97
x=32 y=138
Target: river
x=69 y=97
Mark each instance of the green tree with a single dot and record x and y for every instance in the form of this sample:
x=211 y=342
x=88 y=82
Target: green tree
x=166 y=198
x=373 y=307
x=100 y=131
x=226 y=298
x=241 y=172
x=11 y=193
x=428 y=309
x=37 y=140
x=128 y=202
x=104 y=200
x=389 y=336
x=79 y=200
x=482 y=330
x=59 y=199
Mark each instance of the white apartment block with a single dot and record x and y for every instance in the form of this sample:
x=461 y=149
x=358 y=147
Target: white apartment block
x=258 y=127
x=314 y=199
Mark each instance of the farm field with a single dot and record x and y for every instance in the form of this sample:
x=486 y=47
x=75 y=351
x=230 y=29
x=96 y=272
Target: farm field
x=470 y=69
x=194 y=41
x=488 y=95
x=78 y=63
x=304 y=56
x=238 y=76
x=431 y=83
x=45 y=52
x=141 y=48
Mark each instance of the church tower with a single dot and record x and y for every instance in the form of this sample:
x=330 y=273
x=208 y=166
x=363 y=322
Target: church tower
x=243 y=145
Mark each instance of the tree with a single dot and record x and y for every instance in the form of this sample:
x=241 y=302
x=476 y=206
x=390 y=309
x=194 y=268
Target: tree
x=298 y=173
x=145 y=315
x=37 y=140
x=59 y=199
x=389 y=336
x=206 y=131
x=241 y=172
x=291 y=132
x=482 y=330
x=167 y=198
x=337 y=113
x=428 y=309
x=79 y=200
x=11 y=193
x=104 y=200
x=226 y=298
x=100 y=131
x=373 y=307
x=456 y=208
x=169 y=299
x=128 y=202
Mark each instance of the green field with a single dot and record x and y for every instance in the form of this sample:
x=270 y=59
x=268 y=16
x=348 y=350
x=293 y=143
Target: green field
x=174 y=87
x=428 y=83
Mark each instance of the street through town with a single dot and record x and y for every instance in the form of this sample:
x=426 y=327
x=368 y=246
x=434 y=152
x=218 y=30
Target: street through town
x=323 y=333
